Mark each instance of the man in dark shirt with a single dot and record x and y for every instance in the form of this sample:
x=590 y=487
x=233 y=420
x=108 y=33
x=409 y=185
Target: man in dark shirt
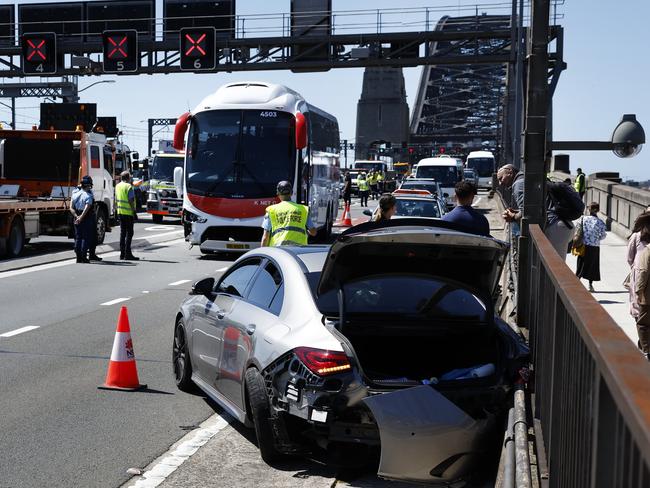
x=463 y=214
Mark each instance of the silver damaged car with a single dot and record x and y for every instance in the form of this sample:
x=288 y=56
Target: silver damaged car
x=386 y=341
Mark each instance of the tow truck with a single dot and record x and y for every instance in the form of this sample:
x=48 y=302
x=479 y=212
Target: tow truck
x=39 y=169
x=163 y=199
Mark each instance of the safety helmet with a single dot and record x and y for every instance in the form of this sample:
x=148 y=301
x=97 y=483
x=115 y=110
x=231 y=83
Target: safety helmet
x=284 y=188
x=86 y=181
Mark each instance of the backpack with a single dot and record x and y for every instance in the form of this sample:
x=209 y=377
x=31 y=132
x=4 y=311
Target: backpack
x=567 y=203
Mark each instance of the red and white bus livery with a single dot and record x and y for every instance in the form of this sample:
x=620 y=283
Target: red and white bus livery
x=240 y=142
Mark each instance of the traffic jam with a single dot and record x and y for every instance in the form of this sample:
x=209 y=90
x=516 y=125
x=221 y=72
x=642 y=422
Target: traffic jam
x=379 y=340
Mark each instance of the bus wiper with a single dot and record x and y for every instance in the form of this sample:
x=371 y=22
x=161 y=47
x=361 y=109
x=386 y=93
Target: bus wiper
x=214 y=186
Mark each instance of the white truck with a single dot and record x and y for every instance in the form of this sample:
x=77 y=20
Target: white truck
x=39 y=169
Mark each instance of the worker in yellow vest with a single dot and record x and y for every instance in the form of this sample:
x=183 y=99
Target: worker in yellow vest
x=125 y=200
x=286 y=223
x=372 y=181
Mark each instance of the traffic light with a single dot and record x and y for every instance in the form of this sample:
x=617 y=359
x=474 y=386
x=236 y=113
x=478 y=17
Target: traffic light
x=121 y=53
x=39 y=53
x=198 y=48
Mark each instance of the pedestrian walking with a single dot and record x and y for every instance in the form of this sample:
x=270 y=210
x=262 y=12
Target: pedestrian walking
x=286 y=223
x=580 y=183
x=463 y=213
x=81 y=207
x=347 y=189
x=637 y=243
x=640 y=293
x=125 y=198
x=364 y=189
x=386 y=208
x=590 y=230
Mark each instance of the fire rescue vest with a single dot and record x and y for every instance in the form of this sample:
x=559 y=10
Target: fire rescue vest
x=122 y=198
x=288 y=224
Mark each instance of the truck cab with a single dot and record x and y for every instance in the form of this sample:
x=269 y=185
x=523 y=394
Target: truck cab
x=163 y=199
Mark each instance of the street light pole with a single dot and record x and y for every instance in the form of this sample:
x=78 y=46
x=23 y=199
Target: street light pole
x=537 y=107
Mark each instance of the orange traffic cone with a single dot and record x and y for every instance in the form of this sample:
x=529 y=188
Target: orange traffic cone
x=122 y=372
x=347 y=219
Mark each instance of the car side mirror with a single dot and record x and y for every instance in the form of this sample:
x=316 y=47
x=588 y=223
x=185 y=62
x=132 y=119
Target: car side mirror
x=203 y=287
x=367 y=212
x=135 y=155
x=446 y=195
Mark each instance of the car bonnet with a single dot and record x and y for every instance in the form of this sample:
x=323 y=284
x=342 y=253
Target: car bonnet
x=414 y=246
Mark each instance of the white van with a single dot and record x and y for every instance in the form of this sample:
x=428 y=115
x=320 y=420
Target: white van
x=445 y=171
x=482 y=162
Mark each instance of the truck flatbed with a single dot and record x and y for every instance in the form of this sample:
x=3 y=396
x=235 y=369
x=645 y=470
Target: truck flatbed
x=36 y=205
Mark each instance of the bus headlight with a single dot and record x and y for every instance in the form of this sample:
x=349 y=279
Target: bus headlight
x=192 y=217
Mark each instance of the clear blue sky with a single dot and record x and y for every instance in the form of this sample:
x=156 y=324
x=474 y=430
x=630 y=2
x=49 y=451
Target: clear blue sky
x=606 y=48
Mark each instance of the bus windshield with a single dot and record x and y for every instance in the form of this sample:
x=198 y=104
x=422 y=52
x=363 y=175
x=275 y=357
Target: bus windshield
x=240 y=153
x=162 y=168
x=483 y=166
x=445 y=175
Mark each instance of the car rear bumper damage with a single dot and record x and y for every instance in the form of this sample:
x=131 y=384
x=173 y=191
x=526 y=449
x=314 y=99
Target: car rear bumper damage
x=424 y=435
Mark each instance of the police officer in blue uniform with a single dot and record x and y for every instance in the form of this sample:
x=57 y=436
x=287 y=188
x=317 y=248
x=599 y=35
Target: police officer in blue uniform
x=81 y=207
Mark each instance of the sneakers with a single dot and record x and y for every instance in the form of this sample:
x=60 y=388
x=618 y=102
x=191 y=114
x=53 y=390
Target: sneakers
x=591 y=287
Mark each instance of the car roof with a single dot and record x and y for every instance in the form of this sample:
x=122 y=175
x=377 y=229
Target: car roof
x=311 y=258
x=423 y=198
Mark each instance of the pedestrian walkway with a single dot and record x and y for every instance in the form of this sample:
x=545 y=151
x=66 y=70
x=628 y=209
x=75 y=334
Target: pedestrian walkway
x=610 y=292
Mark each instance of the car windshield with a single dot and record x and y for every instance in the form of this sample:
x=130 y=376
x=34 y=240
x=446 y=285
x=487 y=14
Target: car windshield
x=410 y=296
x=483 y=166
x=240 y=153
x=445 y=175
x=416 y=208
x=163 y=167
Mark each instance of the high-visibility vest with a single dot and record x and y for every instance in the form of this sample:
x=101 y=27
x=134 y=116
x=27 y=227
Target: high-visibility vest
x=579 y=184
x=363 y=185
x=371 y=180
x=380 y=177
x=122 y=198
x=288 y=224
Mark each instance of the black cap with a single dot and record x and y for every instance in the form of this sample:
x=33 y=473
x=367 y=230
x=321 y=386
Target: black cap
x=86 y=181
x=284 y=188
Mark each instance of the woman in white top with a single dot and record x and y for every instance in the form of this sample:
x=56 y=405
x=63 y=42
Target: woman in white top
x=593 y=231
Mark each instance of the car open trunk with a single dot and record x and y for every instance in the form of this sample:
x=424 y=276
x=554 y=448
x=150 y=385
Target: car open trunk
x=406 y=353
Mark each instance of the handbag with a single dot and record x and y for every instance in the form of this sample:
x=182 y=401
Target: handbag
x=578 y=246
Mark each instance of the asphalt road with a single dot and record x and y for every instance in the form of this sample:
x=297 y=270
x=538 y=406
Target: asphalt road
x=57 y=428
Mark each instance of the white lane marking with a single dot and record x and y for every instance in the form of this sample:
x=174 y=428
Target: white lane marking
x=221 y=270
x=158 y=235
x=169 y=462
x=58 y=264
x=145 y=291
x=179 y=282
x=157 y=227
x=117 y=300
x=478 y=200
x=19 y=331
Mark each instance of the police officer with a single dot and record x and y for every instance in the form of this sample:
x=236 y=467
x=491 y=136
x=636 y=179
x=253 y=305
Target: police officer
x=81 y=207
x=364 y=189
x=286 y=223
x=125 y=198
x=580 y=184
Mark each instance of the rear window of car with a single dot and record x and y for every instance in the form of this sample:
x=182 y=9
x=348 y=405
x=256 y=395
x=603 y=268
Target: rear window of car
x=413 y=296
x=416 y=208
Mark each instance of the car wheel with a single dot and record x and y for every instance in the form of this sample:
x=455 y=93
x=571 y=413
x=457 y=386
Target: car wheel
x=16 y=240
x=181 y=360
x=260 y=409
x=157 y=219
x=101 y=226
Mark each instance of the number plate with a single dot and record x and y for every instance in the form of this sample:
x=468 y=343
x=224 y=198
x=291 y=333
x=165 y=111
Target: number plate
x=237 y=246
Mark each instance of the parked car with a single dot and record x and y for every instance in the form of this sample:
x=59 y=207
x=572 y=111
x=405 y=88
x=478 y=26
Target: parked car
x=470 y=175
x=428 y=184
x=318 y=348
x=415 y=203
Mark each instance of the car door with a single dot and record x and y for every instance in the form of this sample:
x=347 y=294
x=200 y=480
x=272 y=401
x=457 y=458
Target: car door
x=210 y=317
x=252 y=317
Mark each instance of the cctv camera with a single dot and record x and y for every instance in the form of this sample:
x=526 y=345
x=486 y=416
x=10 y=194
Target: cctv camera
x=628 y=137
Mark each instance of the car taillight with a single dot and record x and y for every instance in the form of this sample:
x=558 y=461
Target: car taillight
x=322 y=362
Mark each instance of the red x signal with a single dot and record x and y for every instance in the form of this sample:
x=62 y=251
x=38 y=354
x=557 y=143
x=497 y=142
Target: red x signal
x=36 y=50
x=197 y=45
x=118 y=47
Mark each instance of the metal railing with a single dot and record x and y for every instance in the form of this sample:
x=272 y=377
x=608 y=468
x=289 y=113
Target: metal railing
x=591 y=387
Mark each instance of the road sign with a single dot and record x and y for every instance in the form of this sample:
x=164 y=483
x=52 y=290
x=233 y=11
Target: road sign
x=198 y=49
x=39 y=53
x=121 y=53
